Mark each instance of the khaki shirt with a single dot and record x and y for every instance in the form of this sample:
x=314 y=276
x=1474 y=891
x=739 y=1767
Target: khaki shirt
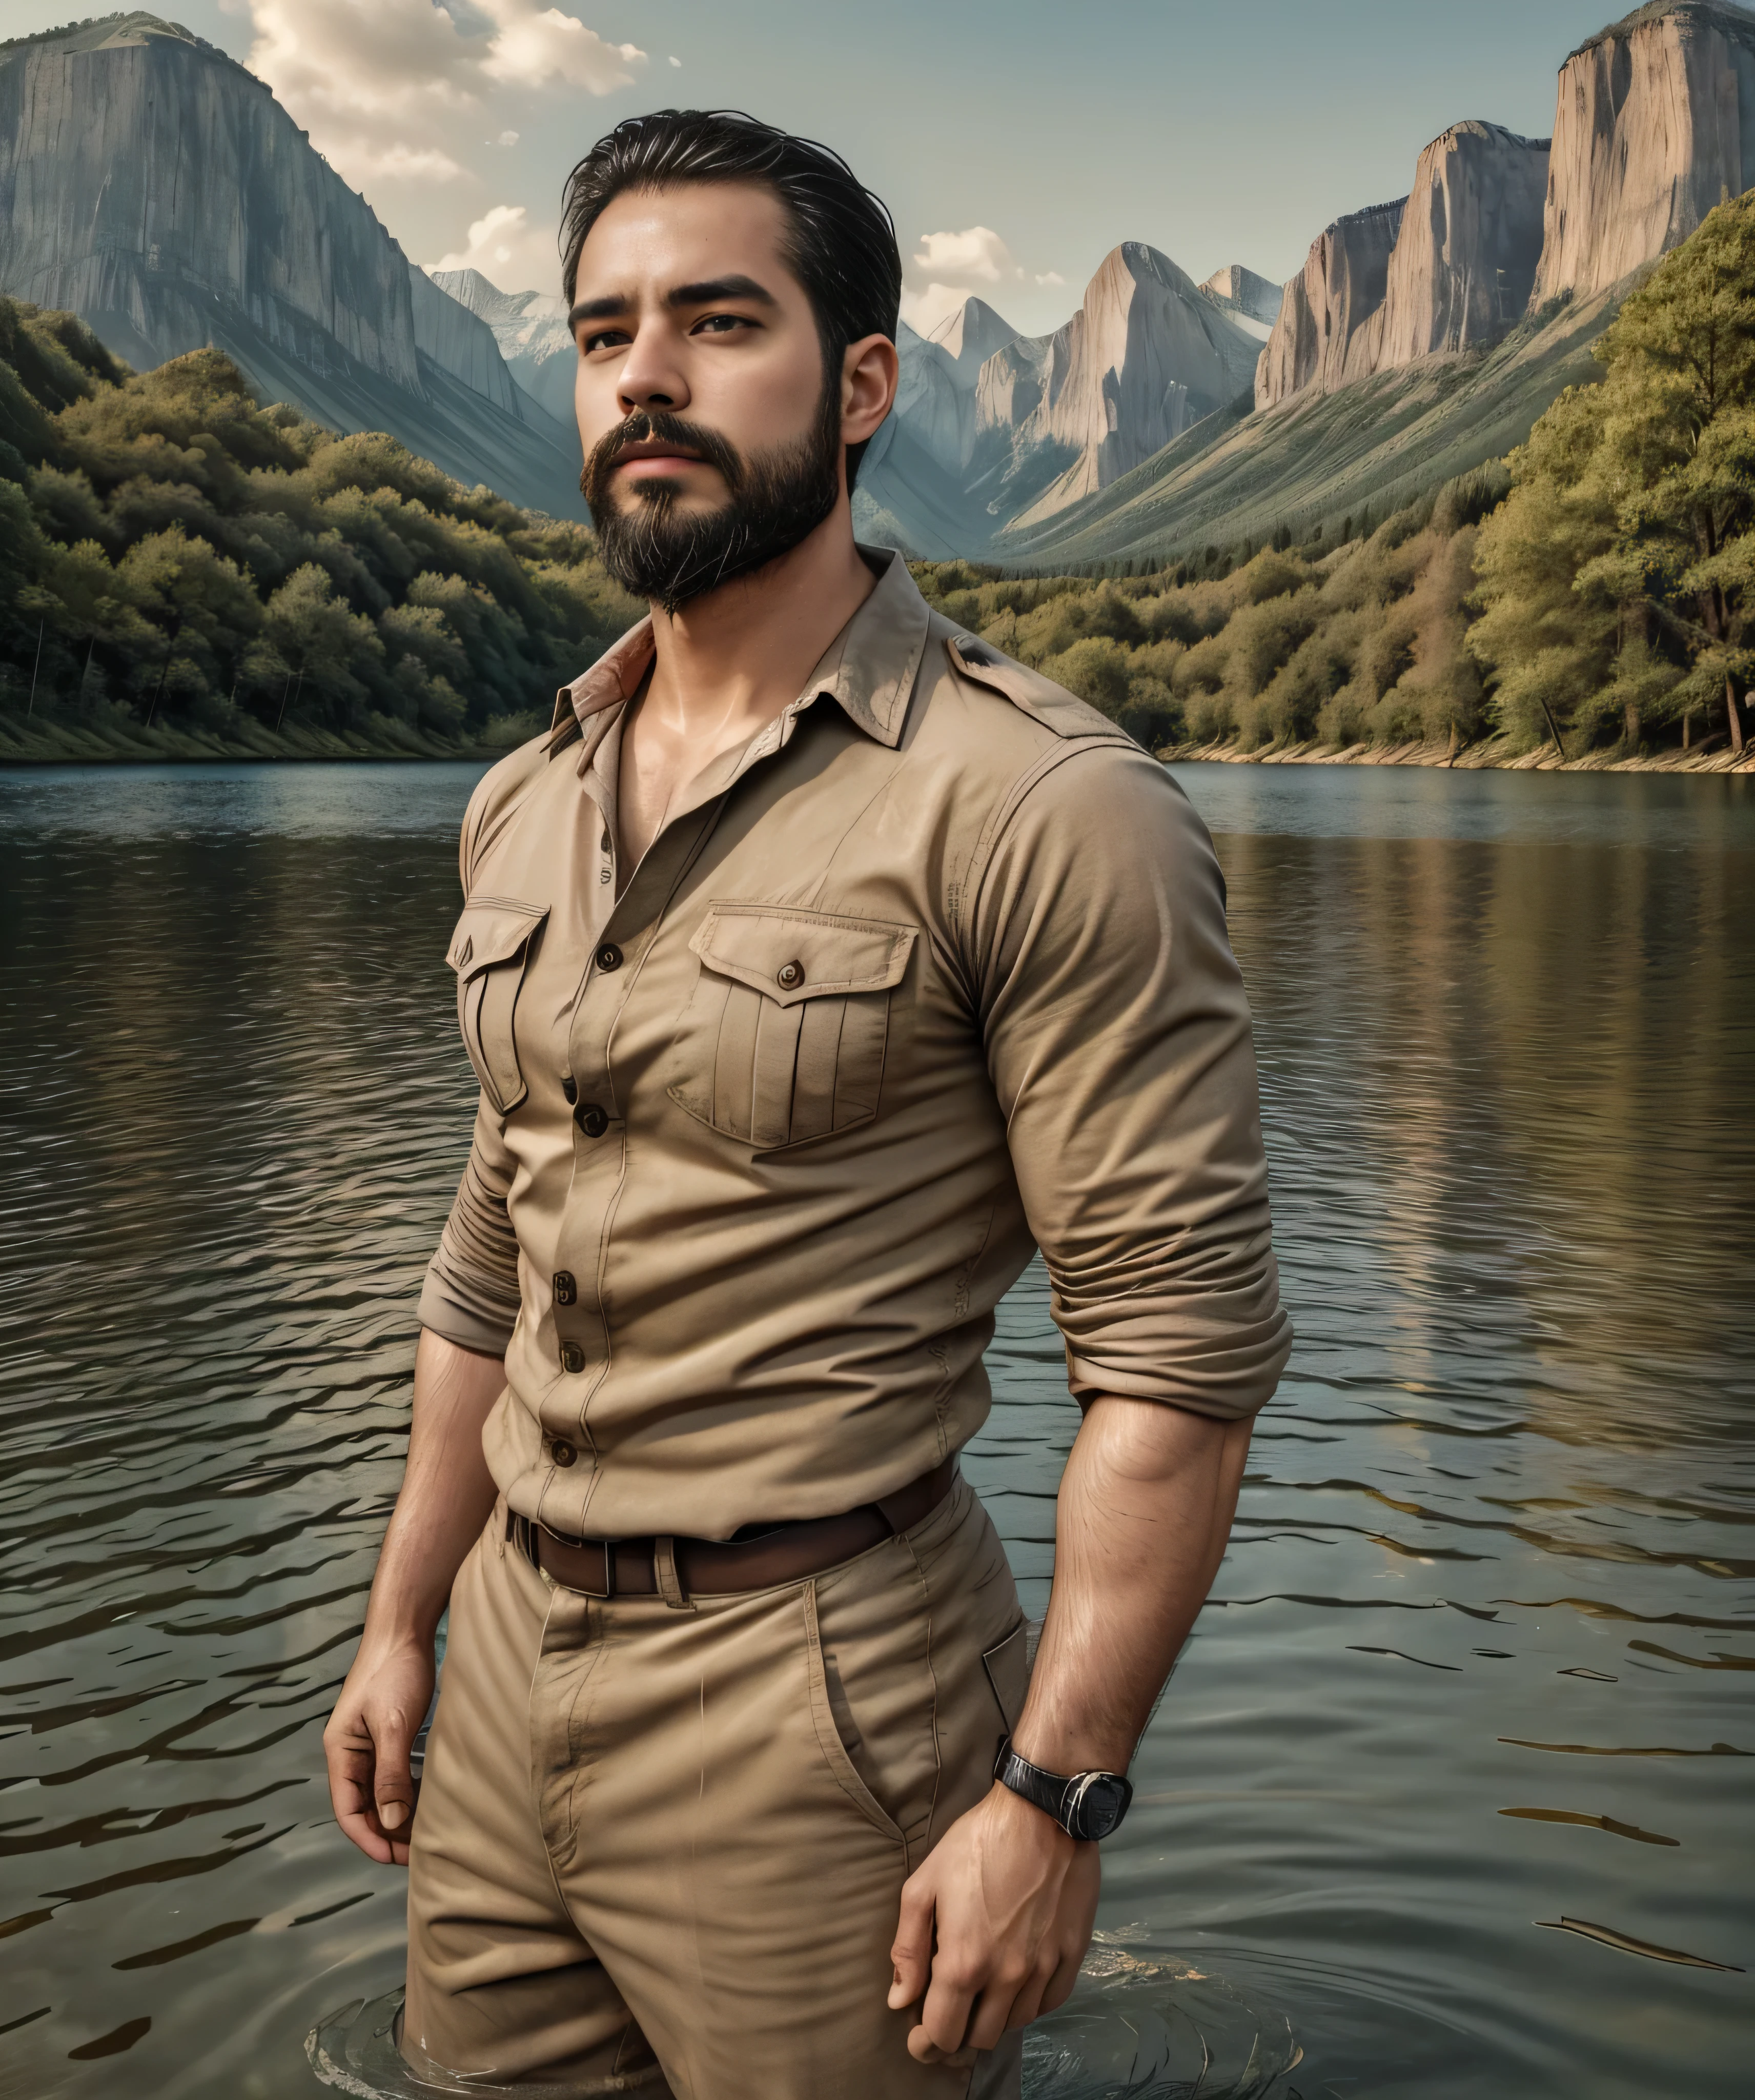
x=932 y=972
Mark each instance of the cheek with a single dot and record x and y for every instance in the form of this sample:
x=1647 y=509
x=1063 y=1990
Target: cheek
x=761 y=401
x=595 y=403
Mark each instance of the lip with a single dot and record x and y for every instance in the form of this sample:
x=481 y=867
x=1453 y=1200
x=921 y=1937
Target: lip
x=653 y=450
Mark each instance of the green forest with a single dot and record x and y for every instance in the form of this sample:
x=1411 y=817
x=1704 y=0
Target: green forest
x=174 y=558
x=1595 y=591
x=172 y=554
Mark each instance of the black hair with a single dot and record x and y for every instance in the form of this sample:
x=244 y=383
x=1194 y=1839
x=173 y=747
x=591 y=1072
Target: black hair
x=842 y=247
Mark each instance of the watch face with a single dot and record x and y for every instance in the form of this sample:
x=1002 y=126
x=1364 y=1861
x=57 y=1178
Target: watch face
x=1103 y=1803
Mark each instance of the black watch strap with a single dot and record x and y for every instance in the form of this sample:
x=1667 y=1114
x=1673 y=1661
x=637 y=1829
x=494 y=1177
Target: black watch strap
x=1088 y=1805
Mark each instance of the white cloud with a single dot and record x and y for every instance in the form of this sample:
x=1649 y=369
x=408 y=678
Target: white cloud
x=508 y=250
x=543 y=47
x=976 y=254
x=380 y=85
x=947 y=266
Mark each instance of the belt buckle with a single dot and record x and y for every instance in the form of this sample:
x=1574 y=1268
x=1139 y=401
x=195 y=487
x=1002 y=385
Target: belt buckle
x=583 y=1546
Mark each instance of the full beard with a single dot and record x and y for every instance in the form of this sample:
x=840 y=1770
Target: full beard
x=668 y=556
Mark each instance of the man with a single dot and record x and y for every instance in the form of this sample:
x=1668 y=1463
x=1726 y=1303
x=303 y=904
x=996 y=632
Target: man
x=817 y=964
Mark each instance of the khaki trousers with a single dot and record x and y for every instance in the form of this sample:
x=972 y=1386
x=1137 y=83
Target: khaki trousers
x=660 y=1850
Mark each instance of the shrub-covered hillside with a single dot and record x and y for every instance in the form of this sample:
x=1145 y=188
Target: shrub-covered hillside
x=1595 y=591
x=1364 y=642
x=172 y=554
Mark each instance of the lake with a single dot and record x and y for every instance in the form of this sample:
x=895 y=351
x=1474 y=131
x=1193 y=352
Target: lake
x=1507 y=1025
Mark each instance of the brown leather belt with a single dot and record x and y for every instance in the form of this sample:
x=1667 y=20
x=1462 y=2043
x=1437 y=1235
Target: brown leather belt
x=678 y=1568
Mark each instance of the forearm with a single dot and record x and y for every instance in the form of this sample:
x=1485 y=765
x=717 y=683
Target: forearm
x=447 y=1491
x=1145 y=1508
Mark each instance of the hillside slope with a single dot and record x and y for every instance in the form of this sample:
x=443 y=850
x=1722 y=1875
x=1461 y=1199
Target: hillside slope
x=1322 y=457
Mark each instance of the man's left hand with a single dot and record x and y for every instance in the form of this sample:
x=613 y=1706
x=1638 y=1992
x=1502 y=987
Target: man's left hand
x=994 y=1926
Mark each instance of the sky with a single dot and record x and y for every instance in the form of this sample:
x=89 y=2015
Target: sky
x=1015 y=142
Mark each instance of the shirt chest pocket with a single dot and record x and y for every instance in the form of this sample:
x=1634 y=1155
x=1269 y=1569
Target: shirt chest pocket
x=784 y=1038
x=491 y=952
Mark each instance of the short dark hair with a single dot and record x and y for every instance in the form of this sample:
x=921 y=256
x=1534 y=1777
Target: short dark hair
x=842 y=247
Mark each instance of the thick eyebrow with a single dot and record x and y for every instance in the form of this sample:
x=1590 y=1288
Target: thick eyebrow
x=701 y=294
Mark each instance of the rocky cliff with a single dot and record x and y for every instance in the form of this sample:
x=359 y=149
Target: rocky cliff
x=1252 y=300
x=531 y=331
x=1470 y=238
x=1321 y=337
x=1655 y=120
x=453 y=337
x=1058 y=417
x=157 y=189
x=936 y=397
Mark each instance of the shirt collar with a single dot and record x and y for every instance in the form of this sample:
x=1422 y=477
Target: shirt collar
x=870 y=668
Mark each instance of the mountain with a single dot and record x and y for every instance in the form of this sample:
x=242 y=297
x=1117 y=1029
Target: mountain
x=530 y=330
x=992 y=427
x=1321 y=335
x=1470 y=240
x=155 y=187
x=1424 y=337
x=1462 y=249
x=1251 y=300
x=1655 y=120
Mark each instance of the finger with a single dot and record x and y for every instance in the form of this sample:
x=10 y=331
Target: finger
x=945 y=2016
x=993 y=2012
x=1027 y=2004
x=1060 y=1985
x=912 y=1951
x=348 y=1755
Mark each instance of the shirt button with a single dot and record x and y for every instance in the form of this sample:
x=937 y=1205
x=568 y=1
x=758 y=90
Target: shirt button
x=790 y=975
x=608 y=956
x=566 y=1289
x=591 y=1119
x=572 y=1356
x=563 y=1454
x=570 y=1087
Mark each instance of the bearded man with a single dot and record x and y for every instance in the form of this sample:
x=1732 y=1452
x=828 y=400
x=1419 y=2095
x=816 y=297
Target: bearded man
x=817 y=966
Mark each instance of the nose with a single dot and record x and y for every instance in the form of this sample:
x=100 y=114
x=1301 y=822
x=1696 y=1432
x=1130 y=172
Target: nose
x=650 y=376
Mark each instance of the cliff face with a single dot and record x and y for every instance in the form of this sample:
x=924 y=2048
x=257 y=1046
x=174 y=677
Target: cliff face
x=158 y=190
x=453 y=337
x=936 y=395
x=1321 y=337
x=530 y=330
x=1060 y=416
x=1244 y=296
x=1656 y=119
x=143 y=177
x=1470 y=238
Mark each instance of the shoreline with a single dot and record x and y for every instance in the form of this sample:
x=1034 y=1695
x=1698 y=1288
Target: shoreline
x=53 y=741
x=1492 y=753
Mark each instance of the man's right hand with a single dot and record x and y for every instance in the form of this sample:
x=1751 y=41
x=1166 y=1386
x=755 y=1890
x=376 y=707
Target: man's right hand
x=367 y=1744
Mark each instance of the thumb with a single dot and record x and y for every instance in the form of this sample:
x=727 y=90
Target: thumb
x=392 y=1778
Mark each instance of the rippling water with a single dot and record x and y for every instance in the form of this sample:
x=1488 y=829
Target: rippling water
x=1480 y=1659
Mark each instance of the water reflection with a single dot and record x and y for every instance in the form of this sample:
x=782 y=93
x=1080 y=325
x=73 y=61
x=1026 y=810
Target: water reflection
x=1480 y=1658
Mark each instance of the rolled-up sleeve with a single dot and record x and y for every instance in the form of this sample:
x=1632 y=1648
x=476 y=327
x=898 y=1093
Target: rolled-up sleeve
x=471 y=1293
x=1118 y=1038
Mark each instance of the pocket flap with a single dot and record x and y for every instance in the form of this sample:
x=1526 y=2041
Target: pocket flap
x=491 y=929
x=790 y=954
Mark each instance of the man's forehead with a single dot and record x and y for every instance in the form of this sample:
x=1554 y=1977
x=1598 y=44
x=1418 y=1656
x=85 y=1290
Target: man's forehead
x=695 y=231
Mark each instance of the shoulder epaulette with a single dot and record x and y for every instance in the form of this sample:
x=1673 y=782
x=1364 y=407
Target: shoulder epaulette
x=1039 y=698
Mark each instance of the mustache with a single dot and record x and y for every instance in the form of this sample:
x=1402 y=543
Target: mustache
x=657 y=426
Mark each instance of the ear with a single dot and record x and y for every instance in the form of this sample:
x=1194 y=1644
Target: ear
x=869 y=374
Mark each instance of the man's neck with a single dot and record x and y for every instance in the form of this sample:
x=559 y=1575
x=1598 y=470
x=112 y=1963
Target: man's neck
x=728 y=662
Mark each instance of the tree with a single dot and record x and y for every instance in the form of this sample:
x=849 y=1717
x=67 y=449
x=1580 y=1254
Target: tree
x=1616 y=577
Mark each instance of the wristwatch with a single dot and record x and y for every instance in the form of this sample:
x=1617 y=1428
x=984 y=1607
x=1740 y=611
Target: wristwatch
x=1088 y=1805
